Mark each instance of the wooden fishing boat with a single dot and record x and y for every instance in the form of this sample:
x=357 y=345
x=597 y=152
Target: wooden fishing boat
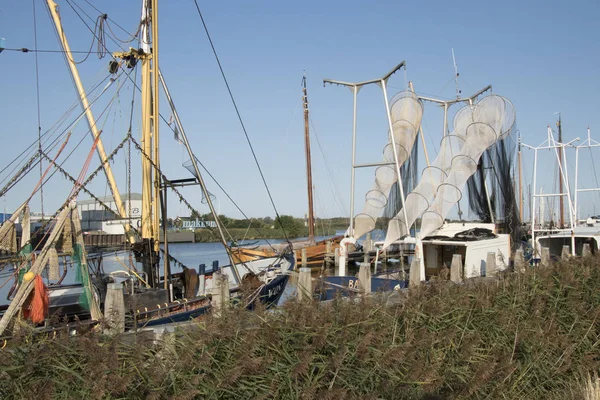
x=145 y=296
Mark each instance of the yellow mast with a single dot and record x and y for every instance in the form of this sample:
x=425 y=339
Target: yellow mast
x=53 y=8
x=155 y=125
x=147 y=225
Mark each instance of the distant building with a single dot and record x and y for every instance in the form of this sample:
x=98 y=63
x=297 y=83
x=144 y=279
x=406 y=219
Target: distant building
x=95 y=218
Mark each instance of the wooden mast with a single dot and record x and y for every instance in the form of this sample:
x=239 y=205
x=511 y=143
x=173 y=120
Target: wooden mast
x=53 y=8
x=311 y=217
x=560 y=178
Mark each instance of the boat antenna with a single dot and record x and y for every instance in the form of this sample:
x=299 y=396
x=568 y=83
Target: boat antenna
x=456 y=74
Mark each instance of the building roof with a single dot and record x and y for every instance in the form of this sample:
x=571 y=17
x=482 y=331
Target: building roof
x=108 y=199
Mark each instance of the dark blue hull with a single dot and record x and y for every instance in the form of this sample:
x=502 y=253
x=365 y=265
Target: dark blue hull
x=345 y=286
x=271 y=292
x=269 y=295
x=182 y=316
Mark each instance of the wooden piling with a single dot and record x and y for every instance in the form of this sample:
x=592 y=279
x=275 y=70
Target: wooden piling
x=304 y=260
x=364 y=277
x=456 y=269
x=368 y=245
x=490 y=264
x=566 y=252
x=520 y=261
x=201 y=279
x=414 y=278
x=305 y=284
x=587 y=250
x=545 y=259
x=220 y=292
x=114 y=309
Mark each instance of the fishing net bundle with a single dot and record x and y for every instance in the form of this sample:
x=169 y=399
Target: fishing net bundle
x=476 y=129
x=406 y=113
x=493 y=119
x=418 y=200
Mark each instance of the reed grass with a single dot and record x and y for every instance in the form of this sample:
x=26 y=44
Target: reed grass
x=529 y=336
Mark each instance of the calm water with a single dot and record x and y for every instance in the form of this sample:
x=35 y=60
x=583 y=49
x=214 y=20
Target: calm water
x=189 y=254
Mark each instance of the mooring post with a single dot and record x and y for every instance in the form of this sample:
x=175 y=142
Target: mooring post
x=328 y=253
x=456 y=269
x=336 y=257
x=490 y=264
x=220 y=292
x=305 y=284
x=368 y=243
x=566 y=252
x=414 y=276
x=545 y=259
x=364 y=276
x=304 y=260
x=587 y=250
x=114 y=309
x=201 y=279
x=519 y=261
x=343 y=261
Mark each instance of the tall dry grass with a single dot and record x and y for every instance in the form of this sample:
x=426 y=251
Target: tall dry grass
x=530 y=336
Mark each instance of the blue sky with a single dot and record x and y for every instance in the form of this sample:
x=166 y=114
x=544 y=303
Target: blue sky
x=542 y=55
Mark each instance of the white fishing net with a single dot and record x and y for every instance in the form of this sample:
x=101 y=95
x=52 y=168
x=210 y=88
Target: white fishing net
x=406 y=112
x=493 y=118
x=418 y=201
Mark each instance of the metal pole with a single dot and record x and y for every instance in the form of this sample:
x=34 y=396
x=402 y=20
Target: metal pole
x=352 y=178
x=560 y=181
x=576 y=183
x=533 y=203
x=53 y=8
x=445 y=118
x=166 y=260
x=520 y=181
x=400 y=183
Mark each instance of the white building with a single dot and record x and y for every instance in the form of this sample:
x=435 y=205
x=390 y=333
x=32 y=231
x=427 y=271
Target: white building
x=95 y=218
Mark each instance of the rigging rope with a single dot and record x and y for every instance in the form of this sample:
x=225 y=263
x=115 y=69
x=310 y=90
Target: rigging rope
x=240 y=118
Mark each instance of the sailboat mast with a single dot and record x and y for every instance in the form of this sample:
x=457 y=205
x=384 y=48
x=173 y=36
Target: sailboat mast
x=560 y=178
x=311 y=217
x=53 y=8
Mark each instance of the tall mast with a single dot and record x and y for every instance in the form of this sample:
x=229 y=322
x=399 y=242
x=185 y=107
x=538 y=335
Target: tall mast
x=53 y=8
x=311 y=217
x=155 y=125
x=560 y=178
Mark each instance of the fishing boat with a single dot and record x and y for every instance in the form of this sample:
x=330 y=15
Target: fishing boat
x=481 y=140
x=577 y=236
x=147 y=296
